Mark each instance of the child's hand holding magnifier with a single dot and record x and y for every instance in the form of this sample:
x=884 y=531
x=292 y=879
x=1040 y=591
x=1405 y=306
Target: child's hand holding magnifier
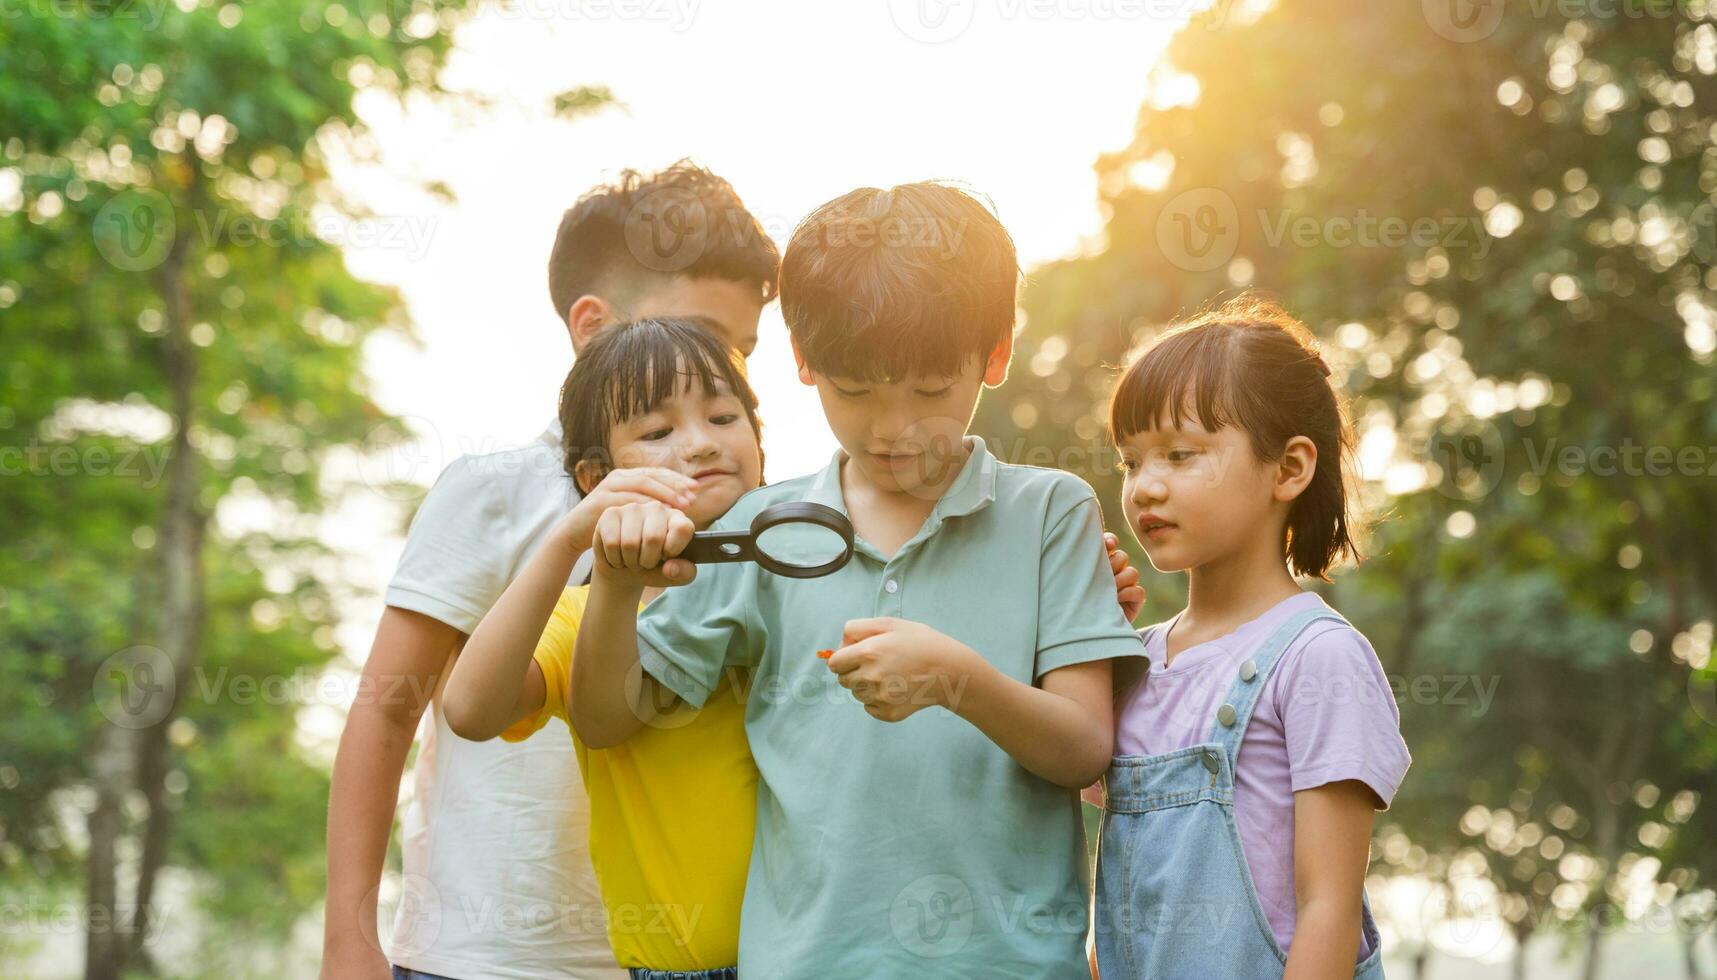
x=636 y=544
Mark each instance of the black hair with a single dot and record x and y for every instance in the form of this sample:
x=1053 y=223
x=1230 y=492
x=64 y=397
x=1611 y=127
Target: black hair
x=643 y=230
x=879 y=284
x=1249 y=364
x=631 y=368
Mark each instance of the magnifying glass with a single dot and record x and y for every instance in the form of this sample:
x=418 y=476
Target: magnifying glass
x=795 y=540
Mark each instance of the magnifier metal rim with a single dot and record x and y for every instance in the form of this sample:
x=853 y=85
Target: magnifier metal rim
x=802 y=512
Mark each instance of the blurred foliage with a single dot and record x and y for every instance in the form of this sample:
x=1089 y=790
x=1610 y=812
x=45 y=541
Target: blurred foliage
x=1499 y=219
x=164 y=180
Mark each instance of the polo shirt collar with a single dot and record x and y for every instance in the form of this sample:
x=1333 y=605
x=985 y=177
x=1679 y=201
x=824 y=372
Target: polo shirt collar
x=972 y=490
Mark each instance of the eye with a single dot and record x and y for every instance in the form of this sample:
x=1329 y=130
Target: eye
x=938 y=393
x=727 y=418
x=656 y=435
x=1181 y=455
x=846 y=393
x=1127 y=465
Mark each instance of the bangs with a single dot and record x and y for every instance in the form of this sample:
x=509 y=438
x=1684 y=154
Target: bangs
x=1189 y=373
x=648 y=366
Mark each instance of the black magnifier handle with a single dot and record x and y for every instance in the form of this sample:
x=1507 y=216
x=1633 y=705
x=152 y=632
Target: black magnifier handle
x=716 y=547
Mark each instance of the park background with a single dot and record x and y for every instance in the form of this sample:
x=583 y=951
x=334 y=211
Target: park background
x=266 y=268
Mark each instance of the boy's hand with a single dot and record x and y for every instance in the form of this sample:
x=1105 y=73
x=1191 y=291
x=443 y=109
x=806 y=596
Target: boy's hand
x=894 y=667
x=1128 y=591
x=636 y=543
x=638 y=485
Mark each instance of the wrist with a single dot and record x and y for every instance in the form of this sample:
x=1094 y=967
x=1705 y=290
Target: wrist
x=962 y=670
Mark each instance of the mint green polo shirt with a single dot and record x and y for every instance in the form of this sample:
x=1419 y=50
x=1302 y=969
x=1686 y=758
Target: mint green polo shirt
x=916 y=848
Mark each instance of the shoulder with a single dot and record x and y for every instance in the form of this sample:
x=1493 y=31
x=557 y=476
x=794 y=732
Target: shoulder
x=1055 y=491
x=526 y=480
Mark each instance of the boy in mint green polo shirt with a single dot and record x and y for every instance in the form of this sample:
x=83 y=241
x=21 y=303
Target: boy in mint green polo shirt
x=917 y=809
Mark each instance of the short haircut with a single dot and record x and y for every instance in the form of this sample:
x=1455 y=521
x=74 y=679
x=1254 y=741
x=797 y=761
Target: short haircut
x=1249 y=364
x=628 y=370
x=622 y=239
x=915 y=280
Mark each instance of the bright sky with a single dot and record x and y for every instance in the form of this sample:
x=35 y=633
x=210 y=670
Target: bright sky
x=793 y=102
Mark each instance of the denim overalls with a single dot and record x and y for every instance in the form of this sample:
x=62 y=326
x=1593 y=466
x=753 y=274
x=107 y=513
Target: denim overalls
x=1175 y=899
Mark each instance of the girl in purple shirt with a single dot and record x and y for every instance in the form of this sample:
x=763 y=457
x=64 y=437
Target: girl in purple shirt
x=1262 y=735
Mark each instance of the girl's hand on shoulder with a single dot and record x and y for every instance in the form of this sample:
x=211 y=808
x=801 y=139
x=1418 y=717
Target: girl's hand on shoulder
x=577 y=529
x=1128 y=591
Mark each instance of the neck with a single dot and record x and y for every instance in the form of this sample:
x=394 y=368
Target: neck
x=1239 y=587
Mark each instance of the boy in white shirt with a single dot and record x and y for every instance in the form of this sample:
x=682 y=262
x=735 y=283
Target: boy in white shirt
x=483 y=823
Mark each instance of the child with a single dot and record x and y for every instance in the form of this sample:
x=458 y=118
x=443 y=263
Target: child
x=478 y=809
x=892 y=840
x=671 y=811
x=1252 y=754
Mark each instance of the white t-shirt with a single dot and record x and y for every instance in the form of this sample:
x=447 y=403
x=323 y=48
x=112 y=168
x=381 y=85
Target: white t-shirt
x=497 y=877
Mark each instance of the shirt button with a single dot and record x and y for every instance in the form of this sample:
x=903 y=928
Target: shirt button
x=891 y=586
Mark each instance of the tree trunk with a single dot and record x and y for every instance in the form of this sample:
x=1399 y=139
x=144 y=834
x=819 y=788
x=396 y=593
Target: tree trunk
x=127 y=760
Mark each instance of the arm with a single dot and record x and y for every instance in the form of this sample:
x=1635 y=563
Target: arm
x=1061 y=731
x=495 y=682
x=1332 y=840
x=609 y=697
x=409 y=652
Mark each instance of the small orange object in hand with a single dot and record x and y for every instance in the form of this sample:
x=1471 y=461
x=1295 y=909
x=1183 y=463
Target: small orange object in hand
x=825 y=654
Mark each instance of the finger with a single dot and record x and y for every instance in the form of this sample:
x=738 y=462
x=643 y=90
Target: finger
x=608 y=538
x=1132 y=600
x=1110 y=542
x=632 y=535
x=857 y=629
x=849 y=657
x=1118 y=560
x=679 y=533
x=657 y=483
x=1126 y=578
x=655 y=531
x=678 y=571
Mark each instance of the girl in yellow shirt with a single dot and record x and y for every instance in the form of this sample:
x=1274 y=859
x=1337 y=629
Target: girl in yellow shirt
x=657 y=409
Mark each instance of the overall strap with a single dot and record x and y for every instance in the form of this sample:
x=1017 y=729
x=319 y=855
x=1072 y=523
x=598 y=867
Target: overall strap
x=1235 y=712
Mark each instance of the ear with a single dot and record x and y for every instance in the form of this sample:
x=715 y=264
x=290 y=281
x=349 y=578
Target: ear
x=996 y=367
x=804 y=369
x=1294 y=471
x=586 y=318
x=587 y=475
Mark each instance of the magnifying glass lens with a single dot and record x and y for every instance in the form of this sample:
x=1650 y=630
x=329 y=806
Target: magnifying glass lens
x=801 y=544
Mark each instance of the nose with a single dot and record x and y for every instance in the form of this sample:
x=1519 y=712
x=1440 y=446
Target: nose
x=700 y=442
x=1148 y=488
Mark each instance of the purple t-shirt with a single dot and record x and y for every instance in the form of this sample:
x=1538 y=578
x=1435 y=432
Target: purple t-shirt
x=1327 y=714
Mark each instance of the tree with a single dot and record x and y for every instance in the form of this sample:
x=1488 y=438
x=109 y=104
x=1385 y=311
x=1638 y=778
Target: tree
x=1501 y=225
x=180 y=336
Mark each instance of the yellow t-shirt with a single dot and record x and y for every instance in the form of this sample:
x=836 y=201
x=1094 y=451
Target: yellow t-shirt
x=672 y=811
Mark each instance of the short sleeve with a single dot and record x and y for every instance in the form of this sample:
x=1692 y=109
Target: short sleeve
x=1339 y=715
x=459 y=552
x=1079 y=618
x=691 y=633
x=553 y=657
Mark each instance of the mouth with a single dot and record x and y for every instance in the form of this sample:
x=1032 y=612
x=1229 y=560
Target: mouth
x=894 y=461
x=1154 y=527
x=703 y=476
